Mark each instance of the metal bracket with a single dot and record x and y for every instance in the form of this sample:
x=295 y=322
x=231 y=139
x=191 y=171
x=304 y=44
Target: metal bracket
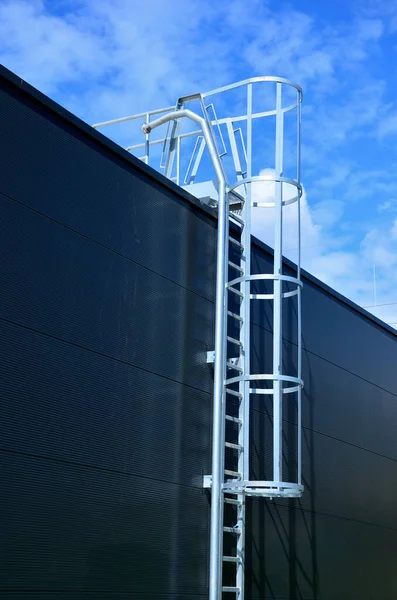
x=231 y=363
x=211 y=356
x=207 y=482
x=235 y=362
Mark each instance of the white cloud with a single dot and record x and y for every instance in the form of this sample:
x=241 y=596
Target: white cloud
x=316 y=242
x=47 y=49
x=124 y=56
x=388 y=205
x=379 y=247
x=388 y=125
x=109 y=57
x=263 y=218
x=393 y=230
x=327 y=212
x=349 y=272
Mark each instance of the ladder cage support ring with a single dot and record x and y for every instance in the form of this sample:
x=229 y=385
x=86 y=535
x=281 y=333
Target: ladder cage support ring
x=270 y=179
x=265 y=276
x=266 y=377
x=270 y=392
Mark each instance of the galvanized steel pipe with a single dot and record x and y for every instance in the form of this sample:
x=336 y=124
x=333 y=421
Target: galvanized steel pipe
x=215 y=583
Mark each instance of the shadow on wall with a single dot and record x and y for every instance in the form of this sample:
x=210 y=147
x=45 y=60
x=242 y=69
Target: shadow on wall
x=281 y=551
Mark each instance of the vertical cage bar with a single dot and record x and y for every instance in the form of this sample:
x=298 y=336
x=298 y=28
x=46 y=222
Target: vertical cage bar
x=299 y=297
x=277 y=302
x=298 y=141
x=299 y=416
x=247 y=286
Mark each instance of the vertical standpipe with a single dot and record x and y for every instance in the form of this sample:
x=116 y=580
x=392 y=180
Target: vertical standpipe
x=215 y=583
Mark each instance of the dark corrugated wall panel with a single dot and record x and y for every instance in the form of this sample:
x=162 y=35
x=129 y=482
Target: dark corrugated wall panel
x=106 y=312
x=104 y=389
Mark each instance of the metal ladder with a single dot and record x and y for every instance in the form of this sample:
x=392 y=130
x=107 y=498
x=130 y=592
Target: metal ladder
x=235 y=459
x=234 y=382
x=236 y=449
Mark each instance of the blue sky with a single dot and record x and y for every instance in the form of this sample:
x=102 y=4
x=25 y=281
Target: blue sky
x=105 y=58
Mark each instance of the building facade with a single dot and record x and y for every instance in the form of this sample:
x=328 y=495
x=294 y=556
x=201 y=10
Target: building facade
x=106 y=314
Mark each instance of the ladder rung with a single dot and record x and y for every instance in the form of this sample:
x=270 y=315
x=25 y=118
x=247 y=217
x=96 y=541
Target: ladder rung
x=232 y=501
x=234 y=446
x=234 y=316
x=233 y=366
x=234 y=419
x=230 y=589
x=238 y=219
x=235 y=530
x=237 y=292
x=234 y=341
x=234 y=266
x=232 y=473
x=234 y=559
x=233 y=241
x=234 y=393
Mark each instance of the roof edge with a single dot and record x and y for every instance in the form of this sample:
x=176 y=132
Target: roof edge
x=92 y=133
